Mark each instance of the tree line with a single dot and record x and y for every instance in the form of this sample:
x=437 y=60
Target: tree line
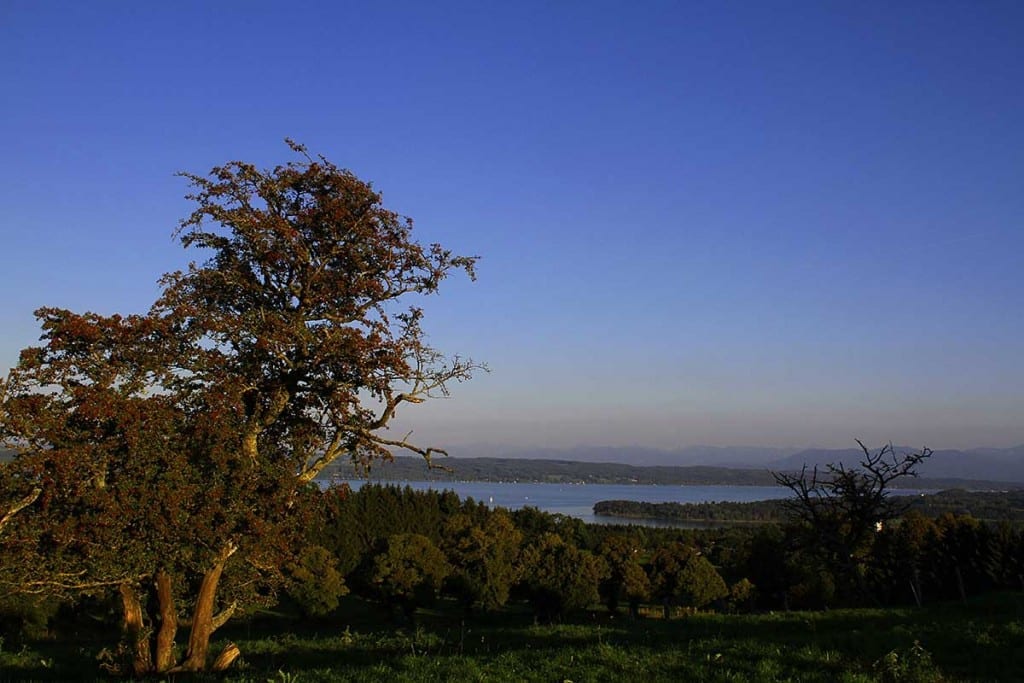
x=987 y=506
x=407 y=549
x=558 y=564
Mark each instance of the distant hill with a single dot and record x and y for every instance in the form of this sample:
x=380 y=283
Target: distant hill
x=405 y=468
x=711 y=456
x=995 y=464
x=976 y=468
x=577 y=472
x=990 y=464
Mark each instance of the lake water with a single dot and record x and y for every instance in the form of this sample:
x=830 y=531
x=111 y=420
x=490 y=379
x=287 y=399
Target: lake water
x=577 y=500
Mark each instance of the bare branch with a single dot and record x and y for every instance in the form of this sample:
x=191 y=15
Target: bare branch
x=842 y=508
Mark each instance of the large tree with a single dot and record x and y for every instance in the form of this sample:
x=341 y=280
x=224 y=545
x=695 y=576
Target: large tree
x=558 y=577
x=168 y=454
x=680 y=575
x=484 y=558
x=408 y=571
x=625 y=577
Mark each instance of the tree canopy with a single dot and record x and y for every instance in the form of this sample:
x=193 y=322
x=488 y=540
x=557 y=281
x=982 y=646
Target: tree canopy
x=170 y=449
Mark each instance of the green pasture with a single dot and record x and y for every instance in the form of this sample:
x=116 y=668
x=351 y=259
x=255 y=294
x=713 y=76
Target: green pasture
x=981 y=641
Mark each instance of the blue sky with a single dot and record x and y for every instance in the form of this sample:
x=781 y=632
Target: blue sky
x=725 y=223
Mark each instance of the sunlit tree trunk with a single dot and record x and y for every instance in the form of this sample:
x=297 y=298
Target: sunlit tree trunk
x=167 y=616
x=202 y=621
x=203 y=624
x=134 y=629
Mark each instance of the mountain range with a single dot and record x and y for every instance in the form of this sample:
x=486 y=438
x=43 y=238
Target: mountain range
x=991 y=464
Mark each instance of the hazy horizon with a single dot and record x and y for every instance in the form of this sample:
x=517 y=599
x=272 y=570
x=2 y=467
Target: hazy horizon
x=725 y=224
x=466 y=440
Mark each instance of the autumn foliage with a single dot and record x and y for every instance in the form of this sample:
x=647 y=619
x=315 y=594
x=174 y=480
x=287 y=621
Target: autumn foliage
x=167 y=455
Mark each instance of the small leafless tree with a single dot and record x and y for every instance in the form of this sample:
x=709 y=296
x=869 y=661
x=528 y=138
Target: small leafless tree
x=841 y=508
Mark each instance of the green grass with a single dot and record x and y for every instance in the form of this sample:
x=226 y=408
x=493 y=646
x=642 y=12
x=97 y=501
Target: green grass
x=983 y=641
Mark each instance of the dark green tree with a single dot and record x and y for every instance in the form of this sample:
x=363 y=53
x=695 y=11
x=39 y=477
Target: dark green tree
x=409 y=571
x=559 y=577
x=314 y=582
x=899 y=565
x=959 y=556
x=485 y=559
x=625 y=578
x=636 y=587
x=742 y=595
x=680 y=575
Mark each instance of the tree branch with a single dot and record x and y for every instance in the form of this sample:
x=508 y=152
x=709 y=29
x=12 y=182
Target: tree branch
x=19 y=506
x=223 y=617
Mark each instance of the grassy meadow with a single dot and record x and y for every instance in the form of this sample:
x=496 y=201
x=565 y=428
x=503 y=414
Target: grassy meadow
x=980 y=641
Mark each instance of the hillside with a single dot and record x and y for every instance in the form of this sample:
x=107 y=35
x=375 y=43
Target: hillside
x=550 y=471
x=996 y=464
x=570 y=471
x=1004 y=465
x=989 y=469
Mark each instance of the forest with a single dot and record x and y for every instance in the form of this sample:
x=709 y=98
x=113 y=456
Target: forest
x=418 y=563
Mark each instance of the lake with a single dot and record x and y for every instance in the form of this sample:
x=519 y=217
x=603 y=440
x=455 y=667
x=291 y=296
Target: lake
x=577 y=500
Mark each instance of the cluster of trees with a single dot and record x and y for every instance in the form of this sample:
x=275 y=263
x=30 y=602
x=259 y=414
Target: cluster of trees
x=404 y=547
x=988 y=506
x=850 y=542
x=718 y=511
x=910 y=561
x=486 y=558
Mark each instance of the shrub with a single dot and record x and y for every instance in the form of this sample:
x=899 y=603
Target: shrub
x=26 y=617
x=913 y=665
x=742 y=595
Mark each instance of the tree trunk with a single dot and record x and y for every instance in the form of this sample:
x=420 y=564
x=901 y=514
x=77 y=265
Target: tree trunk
x=915 y=587
x=202 y=617
x=960 y=584
x=133 y=627
x=228 y=655
x=168 y=618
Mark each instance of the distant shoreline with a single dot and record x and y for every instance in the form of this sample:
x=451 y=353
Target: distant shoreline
x=513 y=470
x=553 y=471
x=987 y=506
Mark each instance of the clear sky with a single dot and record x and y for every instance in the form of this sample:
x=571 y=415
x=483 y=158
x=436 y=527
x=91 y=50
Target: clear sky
x=724 y=223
